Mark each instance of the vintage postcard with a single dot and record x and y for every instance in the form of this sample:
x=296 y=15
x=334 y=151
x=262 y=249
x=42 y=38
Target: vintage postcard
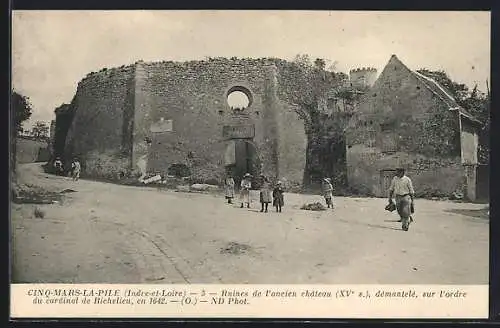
x=250 y=164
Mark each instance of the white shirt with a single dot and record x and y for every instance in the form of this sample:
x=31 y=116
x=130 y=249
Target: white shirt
x=401 y=186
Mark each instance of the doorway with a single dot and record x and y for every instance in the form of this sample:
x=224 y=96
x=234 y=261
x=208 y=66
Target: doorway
x=483 y=183
x=386 y=177
x=245 y=159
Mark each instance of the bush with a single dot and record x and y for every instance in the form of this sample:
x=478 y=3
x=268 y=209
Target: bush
x=208 y=174
x=430 y=193
x=179 y=170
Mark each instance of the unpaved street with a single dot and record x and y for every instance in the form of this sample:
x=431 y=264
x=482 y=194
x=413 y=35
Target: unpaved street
x=105 y=233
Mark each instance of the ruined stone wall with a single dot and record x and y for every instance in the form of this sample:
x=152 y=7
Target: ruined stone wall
x=181 y=108
x=64 y=117
x=98 y=132
x=292 y=138
x=193 y=96
x=402 y=123
x=52 y=137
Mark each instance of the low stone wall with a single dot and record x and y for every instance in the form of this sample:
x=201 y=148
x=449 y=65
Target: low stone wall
x=31 y=151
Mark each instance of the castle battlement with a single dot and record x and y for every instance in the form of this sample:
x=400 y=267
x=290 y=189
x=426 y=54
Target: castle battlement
x=363 y=69
x=363 y=76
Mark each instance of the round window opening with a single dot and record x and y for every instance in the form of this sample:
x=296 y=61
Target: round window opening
x=238 y=99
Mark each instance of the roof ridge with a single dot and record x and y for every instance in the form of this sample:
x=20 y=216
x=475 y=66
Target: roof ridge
x=420 y=76
x=437 y=85
x=454 y=105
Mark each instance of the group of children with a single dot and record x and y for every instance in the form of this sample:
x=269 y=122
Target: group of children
x=75 y=168
x=266 y=194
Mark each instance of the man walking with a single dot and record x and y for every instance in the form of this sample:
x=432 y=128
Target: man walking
x=402 y=190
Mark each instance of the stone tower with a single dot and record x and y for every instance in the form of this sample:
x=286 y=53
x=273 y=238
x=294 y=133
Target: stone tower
x=363 y=77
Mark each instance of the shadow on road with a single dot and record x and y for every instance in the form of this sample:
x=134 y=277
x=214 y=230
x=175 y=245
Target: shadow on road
x=369 y=225
x=479 y=213
x=382 y=227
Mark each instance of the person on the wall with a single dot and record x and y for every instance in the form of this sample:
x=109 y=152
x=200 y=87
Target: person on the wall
x=75 y=169
x=328 y=192
x=246 y=185
x=402 y=190
x=265 y=193
x=229 y=188
x=278 y=198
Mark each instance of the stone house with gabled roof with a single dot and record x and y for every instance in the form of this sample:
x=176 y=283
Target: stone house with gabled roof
x=409 y=120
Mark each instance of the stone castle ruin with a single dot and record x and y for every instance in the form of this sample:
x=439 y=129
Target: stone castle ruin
x=174 y=118
x=179 y=118
x=363 y=77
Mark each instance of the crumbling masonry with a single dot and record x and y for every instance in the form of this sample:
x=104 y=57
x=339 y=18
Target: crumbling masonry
x=181 y=109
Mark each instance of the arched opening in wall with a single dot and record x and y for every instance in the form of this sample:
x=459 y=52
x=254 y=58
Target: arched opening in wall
x=241 y=157
x=179 y=170
x=239 y=98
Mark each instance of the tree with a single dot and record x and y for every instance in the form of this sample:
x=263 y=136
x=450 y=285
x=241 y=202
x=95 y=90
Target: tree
x=308 y=85
x=40 y=130
x=459 y=90
x=474 y=101
x=20 y=111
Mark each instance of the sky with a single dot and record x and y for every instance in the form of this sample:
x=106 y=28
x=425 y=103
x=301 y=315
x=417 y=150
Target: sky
x=53 y=50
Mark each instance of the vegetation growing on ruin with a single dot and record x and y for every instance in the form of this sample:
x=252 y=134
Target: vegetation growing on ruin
x=309 y=84
x=474 y=101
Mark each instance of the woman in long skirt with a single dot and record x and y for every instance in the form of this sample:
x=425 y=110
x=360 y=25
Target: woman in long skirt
x=265 y=194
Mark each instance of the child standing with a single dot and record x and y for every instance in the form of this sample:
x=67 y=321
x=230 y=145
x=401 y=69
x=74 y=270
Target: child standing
x=229 y=189
x=246 y=185
x=75 y=169
x=328 y=192
x=58 y=165
x=265 y=194
x=278 y=199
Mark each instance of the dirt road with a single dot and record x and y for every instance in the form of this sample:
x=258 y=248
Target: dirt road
x=106 y=233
